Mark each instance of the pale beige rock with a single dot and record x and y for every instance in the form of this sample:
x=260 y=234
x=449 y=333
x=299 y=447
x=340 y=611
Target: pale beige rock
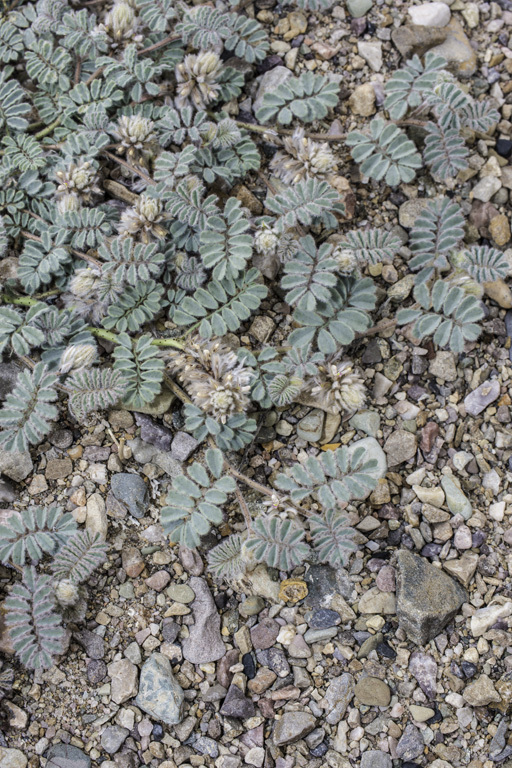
x=375 y=601
x=362 y=100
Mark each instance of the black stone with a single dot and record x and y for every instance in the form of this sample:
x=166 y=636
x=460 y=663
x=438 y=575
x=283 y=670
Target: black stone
x=249 y=665
x=269 y=63
x=319 y=751
x=372 y=353
x=383 y=649
x=358 y=26
x=322 y=618
x=478 y=538
x=92 y=643
x=504 y=147
x=431 y=550
x=468 y=669
x=436 y=718
x=410 y=765
x=157 y=733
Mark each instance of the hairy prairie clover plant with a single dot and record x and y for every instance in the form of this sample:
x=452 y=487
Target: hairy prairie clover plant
x=137 y=243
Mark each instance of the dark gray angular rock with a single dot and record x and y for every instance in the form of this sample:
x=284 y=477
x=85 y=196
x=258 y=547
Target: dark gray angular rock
x=183 y=446
x=411 y=743
x=7 y=493
x=206 y=746
x=338 y=696
x=160 y=695
x=424 y=669
x=204 y=643
x=66 y=756
x=132 y=491
x=152 y=432
x=427 y=598
x=237 y=705
x=93 y=644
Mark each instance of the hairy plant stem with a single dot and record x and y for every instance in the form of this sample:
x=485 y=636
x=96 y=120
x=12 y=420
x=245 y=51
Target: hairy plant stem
x=136 y=171
x=48 y=129
x=100 y=333
x=286 y=132
x=84 y=256
x=160 y=44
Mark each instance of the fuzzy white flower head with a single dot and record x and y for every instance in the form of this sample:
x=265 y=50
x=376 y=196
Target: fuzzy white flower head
x=135 y=130
x=302 y=158
x=66 y=593
x=196 y=79
x=84 y=282
x=121 y=18
x=68 y=203
x=221 y=400
x=341 y=387
x=346 y=259
x=150 y=207
x=265 y=241
x=78 y=356
x=143 y=219
x=80 y=179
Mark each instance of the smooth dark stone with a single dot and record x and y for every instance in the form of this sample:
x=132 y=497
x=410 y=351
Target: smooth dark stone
x=383 y=649
x=435 y=718
x=249 y=665
x=170 y=631
x=319 y=751
x=504 y=147
x=478 y=539
x=157 y=733
x=322 y=618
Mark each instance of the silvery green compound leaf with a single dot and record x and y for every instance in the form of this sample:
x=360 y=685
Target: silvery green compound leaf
x=408 y=86
x=28 y=413
x=34 y=625
x=277 y=543
x=449 y=316
x=194 y=505
x=29 y=534
x=308 y=97
x=436 y=232
x=373 y=246
x=141 y=369
x=386 y=153
x=80 y=556
x=485 y=264
x=226 y=560
x=332 y=477
x=445 y=152
x=332 y=538
x=309 y=277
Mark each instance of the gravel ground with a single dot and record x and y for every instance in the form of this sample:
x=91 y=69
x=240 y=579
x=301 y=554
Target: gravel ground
x=403 y=659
